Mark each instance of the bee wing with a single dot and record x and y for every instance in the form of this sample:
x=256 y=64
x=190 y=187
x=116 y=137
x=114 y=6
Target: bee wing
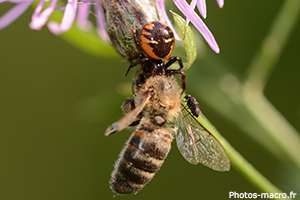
x=128 y=119
x=198 y=145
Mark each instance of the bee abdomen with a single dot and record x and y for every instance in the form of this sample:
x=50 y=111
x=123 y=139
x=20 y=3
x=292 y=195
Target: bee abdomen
x=141 y=159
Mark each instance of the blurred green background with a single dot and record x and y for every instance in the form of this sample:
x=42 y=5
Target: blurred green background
x=56 y=102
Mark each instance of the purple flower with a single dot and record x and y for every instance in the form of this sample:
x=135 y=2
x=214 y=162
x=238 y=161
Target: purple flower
x=14 y=13
x=83 y=8
x=41 y=15
x=201 y=4
x=193 y=17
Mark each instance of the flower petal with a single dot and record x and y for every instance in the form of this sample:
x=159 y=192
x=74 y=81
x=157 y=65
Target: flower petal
x=67 y=21
x=100 y=18
x=16 y=1
x=39 y=19
x=83 y=16
x=198 y=23
x=201 y=5
x=220 y=3
x=13 y=14
x=161 y=5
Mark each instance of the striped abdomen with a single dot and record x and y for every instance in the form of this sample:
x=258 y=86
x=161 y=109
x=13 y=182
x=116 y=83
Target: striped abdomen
x=140 y=159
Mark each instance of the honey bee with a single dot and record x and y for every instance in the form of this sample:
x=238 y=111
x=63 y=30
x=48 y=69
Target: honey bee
x=155 y=106
x=156 y=102
x=159 y=113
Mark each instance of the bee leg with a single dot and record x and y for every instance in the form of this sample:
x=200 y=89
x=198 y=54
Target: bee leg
x=130 y=117
x=128 y=105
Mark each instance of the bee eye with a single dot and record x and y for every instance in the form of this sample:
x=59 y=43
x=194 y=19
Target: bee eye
x=157 y=40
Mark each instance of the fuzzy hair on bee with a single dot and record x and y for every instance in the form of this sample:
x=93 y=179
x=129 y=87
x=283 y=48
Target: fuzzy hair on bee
x=149 y=145
x=142 y=156
x=157 y=101
x=165 y=100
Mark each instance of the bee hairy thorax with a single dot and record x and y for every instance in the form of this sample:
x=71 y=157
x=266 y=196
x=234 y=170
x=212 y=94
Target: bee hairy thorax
x=165 y=99
x=144 y=153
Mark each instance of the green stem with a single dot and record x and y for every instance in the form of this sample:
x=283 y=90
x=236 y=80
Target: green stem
x=259 y=71
x=243 y=166
x=247 y=107
x=268 y=54
x=278 y=128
